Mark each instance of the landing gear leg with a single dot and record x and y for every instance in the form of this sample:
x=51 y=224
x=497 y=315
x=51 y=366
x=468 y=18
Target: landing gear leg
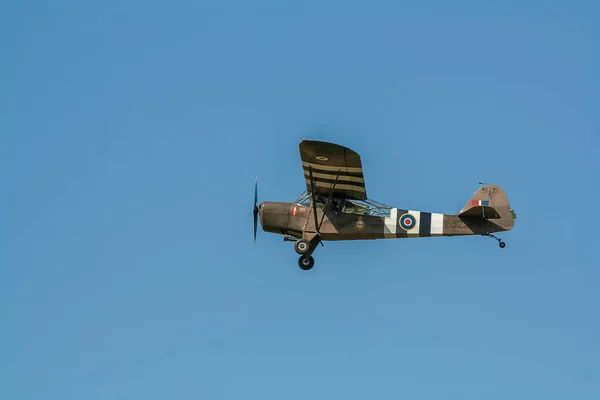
x=500 y=242
x=305 y=247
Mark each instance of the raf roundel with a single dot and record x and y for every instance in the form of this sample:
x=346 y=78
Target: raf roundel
x=407 y=222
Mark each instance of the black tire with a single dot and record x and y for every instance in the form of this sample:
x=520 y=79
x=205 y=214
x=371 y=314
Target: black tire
x=302 y=246
x=502 y=245
x=306 y=263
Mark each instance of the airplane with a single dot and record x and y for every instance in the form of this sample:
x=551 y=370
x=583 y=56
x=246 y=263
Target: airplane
x=335 y=207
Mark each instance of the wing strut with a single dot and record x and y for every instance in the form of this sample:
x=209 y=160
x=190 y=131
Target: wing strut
x=312 y=194
x=314 y=203
x=329 y=199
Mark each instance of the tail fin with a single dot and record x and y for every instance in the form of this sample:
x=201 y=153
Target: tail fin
x=490 y=202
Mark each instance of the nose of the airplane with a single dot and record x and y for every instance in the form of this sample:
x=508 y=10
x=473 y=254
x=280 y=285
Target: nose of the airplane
x=273 y=216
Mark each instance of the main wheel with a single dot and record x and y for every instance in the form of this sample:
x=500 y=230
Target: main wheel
x=502 y=245
x=306 y=263
x=302 y=246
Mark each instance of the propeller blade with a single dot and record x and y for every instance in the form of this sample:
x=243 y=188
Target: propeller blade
x=255 y=224
x=255 y=191
x=255 y=210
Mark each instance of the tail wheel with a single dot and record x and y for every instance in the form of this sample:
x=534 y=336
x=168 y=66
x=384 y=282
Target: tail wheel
x=301 y=246
x=502 y=245
x=306 y=263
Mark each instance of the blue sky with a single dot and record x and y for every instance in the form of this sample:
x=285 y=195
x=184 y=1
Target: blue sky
x=132 y=132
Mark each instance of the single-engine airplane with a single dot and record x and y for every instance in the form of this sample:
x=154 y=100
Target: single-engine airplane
x=335 y=206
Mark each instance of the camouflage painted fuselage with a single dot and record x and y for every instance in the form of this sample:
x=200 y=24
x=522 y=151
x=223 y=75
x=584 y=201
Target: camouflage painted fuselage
x=297 y=220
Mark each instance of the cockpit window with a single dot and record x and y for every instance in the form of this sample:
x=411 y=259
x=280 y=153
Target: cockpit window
x=304 y=199
x=347 y=206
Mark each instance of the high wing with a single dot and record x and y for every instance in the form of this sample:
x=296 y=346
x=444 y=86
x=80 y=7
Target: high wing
x=327 y=160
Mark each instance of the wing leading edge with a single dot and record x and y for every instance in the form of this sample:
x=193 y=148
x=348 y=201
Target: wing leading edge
x=327 y=160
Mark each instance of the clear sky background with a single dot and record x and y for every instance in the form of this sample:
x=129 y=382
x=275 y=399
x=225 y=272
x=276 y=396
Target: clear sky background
x=131 y=135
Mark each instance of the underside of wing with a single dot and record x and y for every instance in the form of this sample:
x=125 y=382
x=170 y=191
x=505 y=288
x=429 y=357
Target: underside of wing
x=328 y=161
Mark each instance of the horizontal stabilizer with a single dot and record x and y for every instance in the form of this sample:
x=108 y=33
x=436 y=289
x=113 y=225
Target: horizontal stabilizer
x=481 y=211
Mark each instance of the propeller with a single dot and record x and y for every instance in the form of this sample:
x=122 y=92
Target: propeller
x=255 y=207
